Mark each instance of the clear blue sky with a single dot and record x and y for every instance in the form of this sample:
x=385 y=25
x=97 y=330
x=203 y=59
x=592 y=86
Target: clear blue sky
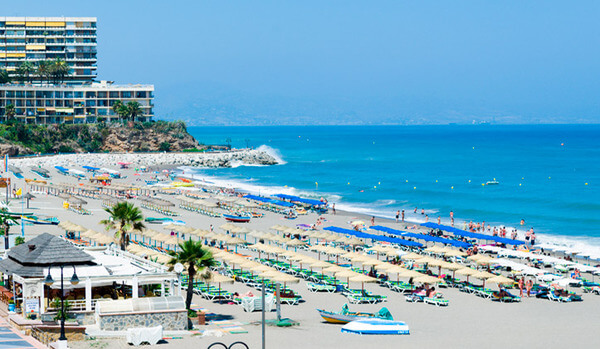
x=350 y=61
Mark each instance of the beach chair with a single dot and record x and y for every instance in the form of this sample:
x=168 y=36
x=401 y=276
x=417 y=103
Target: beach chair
x=291 y=300
x=554 y=297
x=414 y=298
x=438 y=301
x=358 y=299
x=313 y=287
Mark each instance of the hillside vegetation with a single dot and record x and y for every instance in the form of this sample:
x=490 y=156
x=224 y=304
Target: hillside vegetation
x=20 y=139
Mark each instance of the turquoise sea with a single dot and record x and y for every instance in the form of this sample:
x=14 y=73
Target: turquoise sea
x=549 y=175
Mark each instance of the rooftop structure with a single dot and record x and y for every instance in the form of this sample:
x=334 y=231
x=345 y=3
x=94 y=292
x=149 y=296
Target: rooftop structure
x=36 y=39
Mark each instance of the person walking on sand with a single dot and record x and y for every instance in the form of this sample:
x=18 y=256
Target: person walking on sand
x=402 y=216
x=372 y=220
x=529 y=286
x=532 y=239
x=397 y=215
x=521 y=284
x=439 y=220
x=426 y=218
x=333 y=208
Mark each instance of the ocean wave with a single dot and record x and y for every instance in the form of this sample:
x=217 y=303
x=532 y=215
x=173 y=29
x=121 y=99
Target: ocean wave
x=383 y=209
x=237 y=163
x=273 y=152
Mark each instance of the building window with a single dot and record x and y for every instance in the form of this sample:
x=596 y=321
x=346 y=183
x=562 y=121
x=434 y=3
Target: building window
x=114 y=94
x=90 y=94
x=126 y=94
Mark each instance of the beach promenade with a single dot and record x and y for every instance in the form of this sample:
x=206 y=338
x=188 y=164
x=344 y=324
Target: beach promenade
x=468 y=322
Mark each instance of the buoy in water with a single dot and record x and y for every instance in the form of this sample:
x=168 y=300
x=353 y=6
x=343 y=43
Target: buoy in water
x=414 y=187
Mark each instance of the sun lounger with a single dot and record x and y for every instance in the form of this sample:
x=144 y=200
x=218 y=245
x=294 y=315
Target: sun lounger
x=437 y=301
x=553 y=297
x=314 y=287
x=414 y=298
x=358 y=299
x=291 y=300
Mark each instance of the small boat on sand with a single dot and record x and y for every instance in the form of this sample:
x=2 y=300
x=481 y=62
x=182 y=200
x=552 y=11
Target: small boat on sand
x=236 y=219
x=153 y=220
x=376 y=326
x=345 y=316
x=40 y=221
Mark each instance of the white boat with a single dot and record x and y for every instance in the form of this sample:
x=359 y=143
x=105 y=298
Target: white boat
x=494 y=182
x=376 y=326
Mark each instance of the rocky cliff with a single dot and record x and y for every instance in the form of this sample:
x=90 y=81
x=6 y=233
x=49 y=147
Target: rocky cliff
x=21 y=139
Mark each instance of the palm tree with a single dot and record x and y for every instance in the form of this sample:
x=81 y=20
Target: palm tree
x=196 y=259
x=5 y=222
x=59 y=69
x=10 y=111
x=44 y=70
x=125 y=218
x=4 y=76
x=25 y=70
x=120 y=109
x=134 y=110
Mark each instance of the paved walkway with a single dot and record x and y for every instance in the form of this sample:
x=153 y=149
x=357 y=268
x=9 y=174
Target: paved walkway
x=12 y=339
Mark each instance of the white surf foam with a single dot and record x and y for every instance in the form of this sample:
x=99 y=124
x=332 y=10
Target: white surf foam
x=588 y=246
x=273 y=152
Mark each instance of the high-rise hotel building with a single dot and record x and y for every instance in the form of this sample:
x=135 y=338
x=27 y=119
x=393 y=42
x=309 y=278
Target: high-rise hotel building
x=79 y=98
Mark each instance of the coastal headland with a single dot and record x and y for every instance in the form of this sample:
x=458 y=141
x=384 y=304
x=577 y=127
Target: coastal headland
x=17 y=138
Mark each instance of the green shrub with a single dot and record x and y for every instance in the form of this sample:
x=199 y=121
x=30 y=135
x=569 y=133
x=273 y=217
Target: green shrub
x=164 y=146
x=65 y=149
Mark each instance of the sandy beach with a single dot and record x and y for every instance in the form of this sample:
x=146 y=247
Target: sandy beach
x=468 y=322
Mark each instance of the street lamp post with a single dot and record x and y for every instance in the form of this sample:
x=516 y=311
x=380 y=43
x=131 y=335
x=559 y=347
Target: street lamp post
x=74 y=281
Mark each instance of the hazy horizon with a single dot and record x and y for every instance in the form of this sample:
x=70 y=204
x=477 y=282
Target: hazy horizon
x=389 y=62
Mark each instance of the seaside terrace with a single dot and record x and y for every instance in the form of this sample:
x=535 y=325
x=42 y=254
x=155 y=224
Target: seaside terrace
x=103 y=277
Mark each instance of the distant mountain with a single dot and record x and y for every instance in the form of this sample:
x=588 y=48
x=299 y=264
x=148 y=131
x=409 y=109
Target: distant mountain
x=219 y=106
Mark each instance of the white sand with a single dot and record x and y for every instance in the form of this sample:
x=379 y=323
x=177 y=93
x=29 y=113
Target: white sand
x=468 y=322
